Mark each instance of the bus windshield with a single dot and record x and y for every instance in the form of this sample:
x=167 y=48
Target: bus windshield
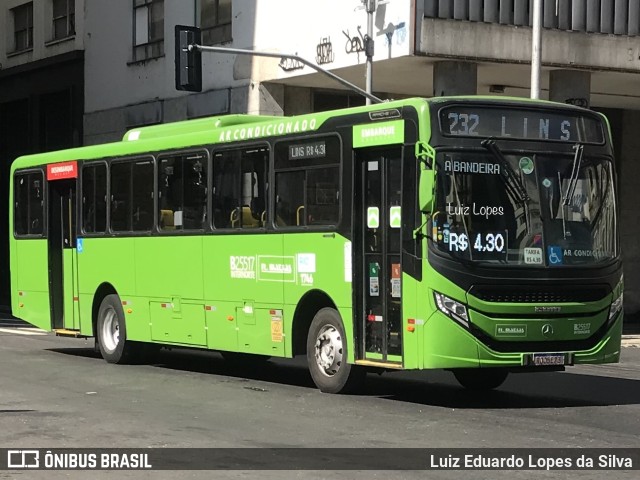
x=530 y=210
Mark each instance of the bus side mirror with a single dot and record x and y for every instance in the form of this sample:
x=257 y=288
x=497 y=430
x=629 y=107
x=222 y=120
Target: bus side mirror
x=188 y=62
x=425 y=188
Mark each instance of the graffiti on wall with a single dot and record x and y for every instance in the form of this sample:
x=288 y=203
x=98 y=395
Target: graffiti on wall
x=355 y=43
x=290 y=64
x=324 y=51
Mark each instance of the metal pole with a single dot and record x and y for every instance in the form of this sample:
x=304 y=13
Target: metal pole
x=371 y=8
x=239 y=51
x=536 y=49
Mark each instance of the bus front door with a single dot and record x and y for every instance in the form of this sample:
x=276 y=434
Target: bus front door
x=62 y=254
x=377 y=250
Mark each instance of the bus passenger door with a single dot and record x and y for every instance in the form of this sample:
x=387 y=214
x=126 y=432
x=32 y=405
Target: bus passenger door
x=377 y=252
x=63 y=259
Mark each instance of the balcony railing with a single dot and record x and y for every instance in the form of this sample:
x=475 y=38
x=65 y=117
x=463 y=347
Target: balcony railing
x=617 y=17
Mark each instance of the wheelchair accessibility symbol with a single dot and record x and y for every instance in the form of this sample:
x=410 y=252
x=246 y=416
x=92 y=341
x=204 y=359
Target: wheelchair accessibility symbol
x=555 y=255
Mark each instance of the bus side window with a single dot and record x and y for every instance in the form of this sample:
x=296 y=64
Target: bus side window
x=28 y=203
x=290 y=198
x=94 y=198
x=120 y=196
x=142 y=196
x=225 y=184
x=132 y=195
x=239 y=188
x=307 y=188
x=322 y=196
x=182 y=192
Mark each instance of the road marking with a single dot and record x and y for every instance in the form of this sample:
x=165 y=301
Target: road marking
x=23 y=331
x=631 y=341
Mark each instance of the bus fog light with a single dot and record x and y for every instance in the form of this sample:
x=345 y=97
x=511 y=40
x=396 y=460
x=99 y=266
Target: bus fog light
x=452 y=308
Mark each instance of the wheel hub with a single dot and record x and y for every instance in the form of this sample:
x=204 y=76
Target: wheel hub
x=110 y=331
x=328 y=350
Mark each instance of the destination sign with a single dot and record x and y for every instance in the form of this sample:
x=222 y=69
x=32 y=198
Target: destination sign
x=307 y=150
x=517 y=123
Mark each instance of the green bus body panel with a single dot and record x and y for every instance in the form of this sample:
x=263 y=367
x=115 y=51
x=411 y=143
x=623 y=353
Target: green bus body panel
x=181 y=323
x=30 y=282
x=205 y=125
x=448 y=345
x=169 y=267
x=410 y=309
x=517 y=330
x=227 y=296
x=107 y=260
x=324 y=270
x=236 y=296
x=241 y=291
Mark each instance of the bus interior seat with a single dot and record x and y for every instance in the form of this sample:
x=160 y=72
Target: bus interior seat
x=248 y=220
x=166 y=220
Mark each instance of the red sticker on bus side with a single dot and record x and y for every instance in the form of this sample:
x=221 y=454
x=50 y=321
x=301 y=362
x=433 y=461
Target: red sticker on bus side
x=60 y=171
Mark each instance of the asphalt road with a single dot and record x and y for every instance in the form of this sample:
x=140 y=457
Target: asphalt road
x=58 y=393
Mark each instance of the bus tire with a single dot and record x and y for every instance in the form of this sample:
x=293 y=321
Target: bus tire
x=481 y=378
x=112 y=331
x=327 y=354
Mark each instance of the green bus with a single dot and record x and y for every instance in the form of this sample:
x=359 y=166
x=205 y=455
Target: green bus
x=473 y=234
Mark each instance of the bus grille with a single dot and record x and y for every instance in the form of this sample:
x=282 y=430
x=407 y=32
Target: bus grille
x=535 y=294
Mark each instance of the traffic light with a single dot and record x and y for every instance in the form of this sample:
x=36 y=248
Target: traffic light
x=188 y=61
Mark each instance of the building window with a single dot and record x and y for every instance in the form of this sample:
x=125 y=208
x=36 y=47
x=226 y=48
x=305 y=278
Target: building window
x=215 y=21
x=23 y=27
x=148 y=39
x=64 y=18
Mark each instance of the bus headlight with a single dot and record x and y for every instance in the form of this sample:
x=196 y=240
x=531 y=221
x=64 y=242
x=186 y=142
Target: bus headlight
x=451 y=308
x=616 y=306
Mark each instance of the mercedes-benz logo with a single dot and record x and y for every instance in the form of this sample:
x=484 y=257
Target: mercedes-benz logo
x=547 y=330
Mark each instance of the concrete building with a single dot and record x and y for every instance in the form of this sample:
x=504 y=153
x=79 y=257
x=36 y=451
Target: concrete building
x=590 y=57
x=41 y=89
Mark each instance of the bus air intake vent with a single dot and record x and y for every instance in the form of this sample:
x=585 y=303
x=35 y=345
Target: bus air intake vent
x=536 y=294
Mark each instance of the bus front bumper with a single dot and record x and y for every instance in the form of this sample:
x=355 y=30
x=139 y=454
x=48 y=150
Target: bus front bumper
x=447 y=344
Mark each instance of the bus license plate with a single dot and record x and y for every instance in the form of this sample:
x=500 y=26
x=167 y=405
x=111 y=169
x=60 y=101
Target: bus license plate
x=543 y=359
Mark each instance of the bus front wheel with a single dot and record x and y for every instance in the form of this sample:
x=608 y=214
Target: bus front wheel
x=327 y=355
x=112 y=332
x=480 y=379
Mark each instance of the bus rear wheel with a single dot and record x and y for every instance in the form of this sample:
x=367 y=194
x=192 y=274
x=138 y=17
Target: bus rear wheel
x=327 y=355
x=112 y=331
x=480 y=379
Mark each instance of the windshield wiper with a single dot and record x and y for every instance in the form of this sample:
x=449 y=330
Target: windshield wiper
x=513 y=183
x=575 y=172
